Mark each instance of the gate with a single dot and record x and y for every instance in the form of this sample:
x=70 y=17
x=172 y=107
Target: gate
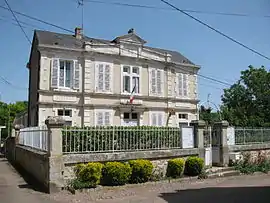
x=212 y=145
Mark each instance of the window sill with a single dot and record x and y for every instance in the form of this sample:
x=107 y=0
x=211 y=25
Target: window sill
x=128 y=94
x=65 y=89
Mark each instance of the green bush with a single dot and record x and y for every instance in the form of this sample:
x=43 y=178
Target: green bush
x=175 y=168
x=115 y=173
x=141 y=171
x=87 y=175
x=194 y=166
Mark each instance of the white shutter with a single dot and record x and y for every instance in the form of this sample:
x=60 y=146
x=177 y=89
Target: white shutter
x=180 y=84
x=153 y=81
x=185 y=85
x=100 y=77
x=158 y=79
x=99 y=118
x=76 y=78
x=107 y=78
x=107 y=119
x=160 y=119
x=195 y=84
x=153 y=119
x=54 y=73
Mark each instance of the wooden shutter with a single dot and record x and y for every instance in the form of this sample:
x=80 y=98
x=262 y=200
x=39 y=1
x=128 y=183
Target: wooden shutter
x=99 y=118
x=153 y=81
x=107 y=119
x=76 y=78
x=54 y=73
x=158 y=79
x=160 y=119
x=100 y=81
x=107 y=78
x=153 y=119
x=180 y=84
x=185 y=85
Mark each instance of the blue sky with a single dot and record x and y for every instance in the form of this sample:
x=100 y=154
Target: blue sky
x=218 y=57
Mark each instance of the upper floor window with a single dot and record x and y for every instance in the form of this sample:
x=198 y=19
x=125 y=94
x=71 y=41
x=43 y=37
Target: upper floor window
x=182 y=84
x=103 y=77
x=65 y=74
x=156 y=81
x=131 y=79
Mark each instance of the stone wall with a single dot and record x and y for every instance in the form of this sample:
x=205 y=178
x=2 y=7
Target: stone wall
x=34 y=162
x=158 y=158
x=253 y=149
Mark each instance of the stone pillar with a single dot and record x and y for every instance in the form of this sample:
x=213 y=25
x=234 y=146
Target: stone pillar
x=55 y=155
x=199 y=126
x=221 y=128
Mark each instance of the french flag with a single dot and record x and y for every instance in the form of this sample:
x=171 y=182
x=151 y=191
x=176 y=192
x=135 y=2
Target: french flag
x=131 y=98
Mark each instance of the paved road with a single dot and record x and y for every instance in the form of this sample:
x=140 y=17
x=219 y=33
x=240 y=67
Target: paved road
x=242 y=189
x=13 y=188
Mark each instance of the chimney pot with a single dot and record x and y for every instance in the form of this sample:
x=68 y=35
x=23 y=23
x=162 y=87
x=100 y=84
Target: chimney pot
x=78 y=33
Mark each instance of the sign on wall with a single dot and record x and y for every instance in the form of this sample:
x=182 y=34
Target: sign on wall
x=187 y=137
x=230 y=136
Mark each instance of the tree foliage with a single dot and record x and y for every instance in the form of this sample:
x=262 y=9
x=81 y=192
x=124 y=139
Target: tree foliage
x=8 y=113
x=247 y=102
x=208 y=116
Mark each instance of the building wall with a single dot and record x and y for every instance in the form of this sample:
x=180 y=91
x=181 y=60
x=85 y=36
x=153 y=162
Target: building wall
x=51 y=99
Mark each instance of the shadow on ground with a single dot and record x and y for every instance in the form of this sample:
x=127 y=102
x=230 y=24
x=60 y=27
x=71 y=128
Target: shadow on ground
x=220 y=195
x=29 y=181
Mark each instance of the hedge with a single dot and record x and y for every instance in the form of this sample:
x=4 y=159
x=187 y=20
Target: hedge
x=115 y=173
x=119 y=138
x=141 y=170
x=194 y=166
x=175 y=168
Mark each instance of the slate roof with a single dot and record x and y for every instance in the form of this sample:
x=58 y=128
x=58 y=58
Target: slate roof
x=69 y=41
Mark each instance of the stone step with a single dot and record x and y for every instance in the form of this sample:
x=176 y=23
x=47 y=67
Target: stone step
x=223 y=174
x=219 y=169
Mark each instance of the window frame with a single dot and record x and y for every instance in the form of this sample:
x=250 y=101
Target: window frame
x=156 y=93
x=180 y=94
x=131 y=74
x=97 y=64
x=72 y=63
x=157 y=120
x=104 y=112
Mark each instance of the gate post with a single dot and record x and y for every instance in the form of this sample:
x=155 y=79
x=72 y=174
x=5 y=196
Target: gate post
x=221 y=129
x=55 y=155
x=199 y=126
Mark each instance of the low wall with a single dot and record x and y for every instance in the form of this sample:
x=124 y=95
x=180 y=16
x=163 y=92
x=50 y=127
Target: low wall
x=34 y=162
x=254 y=149
x=158 y=158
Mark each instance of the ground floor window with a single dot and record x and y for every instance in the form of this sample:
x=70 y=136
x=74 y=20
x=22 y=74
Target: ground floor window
x=130 y=119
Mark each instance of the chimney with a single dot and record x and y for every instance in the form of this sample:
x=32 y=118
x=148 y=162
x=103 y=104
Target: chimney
x=78 y=33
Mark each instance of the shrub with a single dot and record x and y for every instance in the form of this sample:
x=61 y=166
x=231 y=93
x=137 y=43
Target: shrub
x=175 y=168
x=116 y=173
x=194 y=166
x=141 y=171
x=87 y=175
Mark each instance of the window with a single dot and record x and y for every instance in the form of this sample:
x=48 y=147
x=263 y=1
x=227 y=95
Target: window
x=183 y=116
x=103 y=118
x=156 y=81
x=131 y=79
x=103 y=77
x=182 y=84
x=65 y=74
x=130 y=119
x=157 y=119
x=64 y=112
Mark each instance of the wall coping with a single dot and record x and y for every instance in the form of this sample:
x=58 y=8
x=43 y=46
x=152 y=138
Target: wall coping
x=250 y=147
x=124 y=156
x=33 y=151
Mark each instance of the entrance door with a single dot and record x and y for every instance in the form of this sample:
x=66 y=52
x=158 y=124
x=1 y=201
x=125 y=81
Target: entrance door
x=131 y=119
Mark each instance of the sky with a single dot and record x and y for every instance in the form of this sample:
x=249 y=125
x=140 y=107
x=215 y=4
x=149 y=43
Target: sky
x=218 y=57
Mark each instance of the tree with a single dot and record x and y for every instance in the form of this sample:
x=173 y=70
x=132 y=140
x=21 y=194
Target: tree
x=8 y=112
x=247 y=102
x=208 y=116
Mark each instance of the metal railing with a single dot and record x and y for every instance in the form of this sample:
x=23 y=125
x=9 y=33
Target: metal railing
x=34 y=137
x=119 y=139
x=244 y=136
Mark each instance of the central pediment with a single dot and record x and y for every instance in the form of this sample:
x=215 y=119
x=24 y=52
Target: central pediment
x=130 y=38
